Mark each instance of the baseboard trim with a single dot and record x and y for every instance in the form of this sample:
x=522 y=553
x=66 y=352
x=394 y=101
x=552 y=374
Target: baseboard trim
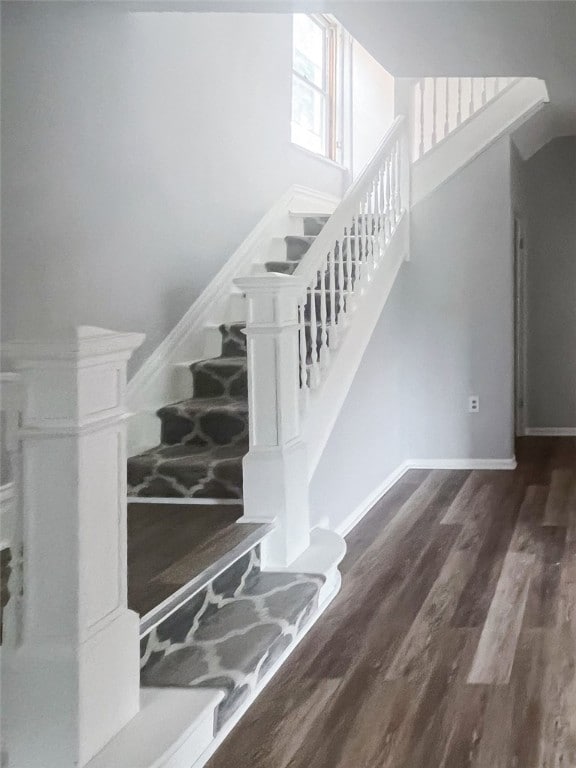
x=550 y=431
x=507 y=464
x=183 y=501
x=366 y=505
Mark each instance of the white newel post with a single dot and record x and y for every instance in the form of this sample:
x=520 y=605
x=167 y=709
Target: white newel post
x=276 y=468
x=73 y=681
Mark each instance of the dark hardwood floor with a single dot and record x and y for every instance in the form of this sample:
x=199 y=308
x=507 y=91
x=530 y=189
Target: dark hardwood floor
x=169 y=544
x=452 y=643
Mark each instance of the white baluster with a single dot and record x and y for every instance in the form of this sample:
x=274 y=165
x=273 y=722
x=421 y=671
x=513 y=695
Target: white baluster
x=447 y=112
x=350 y=303
x=358 y=249
x=336 y=254
x=315 y=377
x=459 y=109
x=342 y=319
x=471 y=102
x=484 y=90
x=434 y=109
x=324 y=351
x=396 y=161
x=303 y=351
x=422 y=122
x=496 y=86
x=388 y=188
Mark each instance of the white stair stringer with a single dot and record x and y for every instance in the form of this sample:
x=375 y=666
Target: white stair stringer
x=502 y=115
x=326 y=402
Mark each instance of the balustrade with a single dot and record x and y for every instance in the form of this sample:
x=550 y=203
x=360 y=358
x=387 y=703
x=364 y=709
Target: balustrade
x=442 y=104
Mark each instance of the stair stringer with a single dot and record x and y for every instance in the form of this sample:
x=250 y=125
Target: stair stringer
x=502 y=115
x=325 y=403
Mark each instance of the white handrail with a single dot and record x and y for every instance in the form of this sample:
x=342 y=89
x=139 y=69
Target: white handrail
x=341 y=261
x=348 y=207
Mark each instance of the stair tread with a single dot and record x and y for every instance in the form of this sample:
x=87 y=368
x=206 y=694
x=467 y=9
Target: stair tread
x=193 y=405
x=222 y=362
x=231 y=643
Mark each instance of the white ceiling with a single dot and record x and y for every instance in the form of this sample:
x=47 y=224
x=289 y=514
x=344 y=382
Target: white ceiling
x=474 y=38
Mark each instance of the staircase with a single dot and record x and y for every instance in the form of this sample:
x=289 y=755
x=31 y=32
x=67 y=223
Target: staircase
x=205 y=438
x=250 y=425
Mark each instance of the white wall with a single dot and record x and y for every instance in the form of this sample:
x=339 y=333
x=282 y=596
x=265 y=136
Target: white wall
x=372 y=105
x=550 y=191
x=138 y=151
x=459 y=314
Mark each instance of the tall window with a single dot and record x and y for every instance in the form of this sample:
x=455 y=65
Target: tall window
x=314 y=70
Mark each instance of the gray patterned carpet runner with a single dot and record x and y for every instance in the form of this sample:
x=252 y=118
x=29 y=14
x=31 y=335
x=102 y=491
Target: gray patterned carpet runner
x=231 y=633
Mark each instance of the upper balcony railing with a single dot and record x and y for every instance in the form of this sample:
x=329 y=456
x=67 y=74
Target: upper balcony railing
x=442 y=104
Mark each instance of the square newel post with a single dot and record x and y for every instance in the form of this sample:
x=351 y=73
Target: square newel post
x=73 y=681
x=276 y=468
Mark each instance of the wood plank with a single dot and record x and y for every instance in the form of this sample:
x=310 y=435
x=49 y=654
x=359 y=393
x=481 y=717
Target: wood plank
x=459 y=509
x=497 y=646
x=557 y=512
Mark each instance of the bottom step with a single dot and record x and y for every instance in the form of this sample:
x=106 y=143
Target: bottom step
x=172 y=730
x=228 y=640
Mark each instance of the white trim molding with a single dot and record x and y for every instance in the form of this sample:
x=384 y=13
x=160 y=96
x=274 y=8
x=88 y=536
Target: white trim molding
x=550 y=431
x=506 y=464
x=350 y=522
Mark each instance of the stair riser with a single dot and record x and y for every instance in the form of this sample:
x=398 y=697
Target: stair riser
x=186 y=479
x=314 y=225
x=233 y=340
x=219 y=381
x=213 y=428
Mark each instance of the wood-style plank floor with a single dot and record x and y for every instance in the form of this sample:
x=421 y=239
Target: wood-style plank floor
x=169 y=544
x=452 y=643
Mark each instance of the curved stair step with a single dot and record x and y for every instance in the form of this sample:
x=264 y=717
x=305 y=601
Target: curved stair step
x=230 y=638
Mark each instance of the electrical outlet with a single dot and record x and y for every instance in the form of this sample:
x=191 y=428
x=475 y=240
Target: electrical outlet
x=473 y=404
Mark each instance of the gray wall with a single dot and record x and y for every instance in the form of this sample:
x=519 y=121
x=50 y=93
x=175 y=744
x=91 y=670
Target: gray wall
x=459 y=314
x=138 y=150
x=369 y=440
x=550 y=179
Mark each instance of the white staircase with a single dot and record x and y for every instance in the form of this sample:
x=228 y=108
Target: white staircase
x=308 y=323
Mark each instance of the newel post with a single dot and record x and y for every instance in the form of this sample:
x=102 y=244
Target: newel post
x=73 y=680
x=276 y=468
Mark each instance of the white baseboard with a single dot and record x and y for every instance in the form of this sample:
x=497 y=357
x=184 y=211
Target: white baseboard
x=550 y=431
x=462 y=463
x=366 y=505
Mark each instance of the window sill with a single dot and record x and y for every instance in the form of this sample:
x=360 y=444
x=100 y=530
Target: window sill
x=317 y=156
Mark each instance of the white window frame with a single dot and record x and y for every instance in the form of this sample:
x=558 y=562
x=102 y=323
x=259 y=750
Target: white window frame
x=332 y=88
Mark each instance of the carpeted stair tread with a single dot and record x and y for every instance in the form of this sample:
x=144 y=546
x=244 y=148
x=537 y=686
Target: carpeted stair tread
x=187 y=471
x=205 y=422
x=230 y=638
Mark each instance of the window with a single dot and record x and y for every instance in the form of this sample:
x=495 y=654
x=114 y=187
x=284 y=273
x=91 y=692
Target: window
x=314 y=86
